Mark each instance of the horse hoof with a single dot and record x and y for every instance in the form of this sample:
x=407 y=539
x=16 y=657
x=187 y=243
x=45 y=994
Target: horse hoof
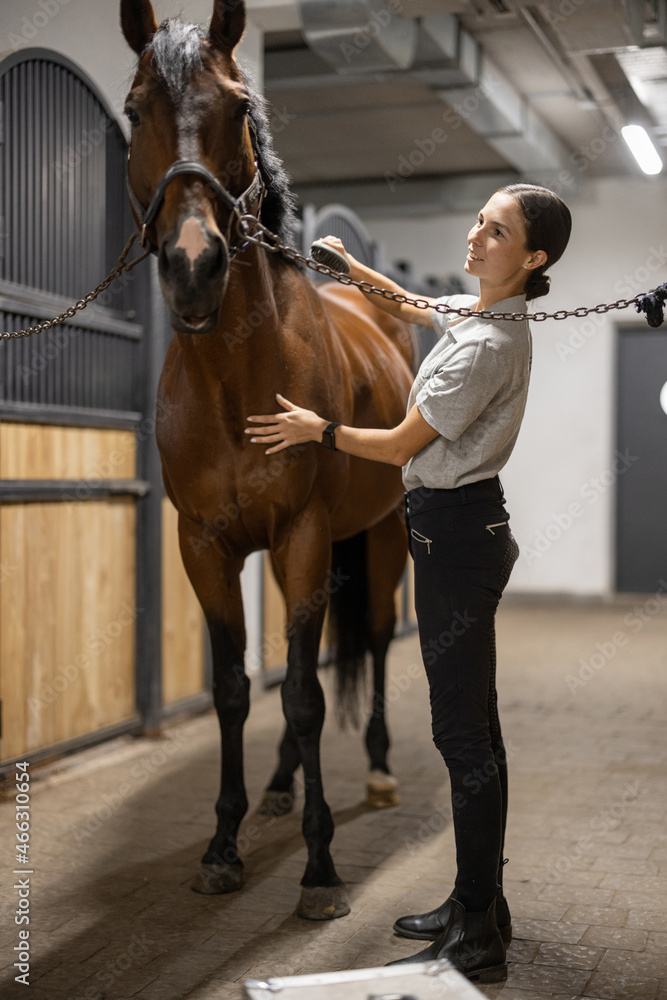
x=382 y=790
x=276 y=804
x=323 y=902
x=215 y=879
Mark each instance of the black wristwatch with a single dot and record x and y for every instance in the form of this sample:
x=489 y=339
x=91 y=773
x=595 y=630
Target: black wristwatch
x=329 y=436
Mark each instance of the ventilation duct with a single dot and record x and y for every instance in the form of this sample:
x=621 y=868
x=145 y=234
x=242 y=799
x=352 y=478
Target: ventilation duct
x=359 y=36
x=596 y=25
x=363 y=36
x=495 y=110
x=446 y=55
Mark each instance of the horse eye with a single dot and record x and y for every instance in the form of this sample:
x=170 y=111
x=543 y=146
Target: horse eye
x=243 y=110
x=132 y=116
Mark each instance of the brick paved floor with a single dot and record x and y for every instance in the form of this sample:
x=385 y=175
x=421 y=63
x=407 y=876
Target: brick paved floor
x=117 y=833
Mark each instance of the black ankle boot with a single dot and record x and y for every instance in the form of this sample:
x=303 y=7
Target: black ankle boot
x=428 y=926
x=471 y=942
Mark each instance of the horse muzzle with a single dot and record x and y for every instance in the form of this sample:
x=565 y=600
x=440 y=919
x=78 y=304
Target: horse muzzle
x=193 y=265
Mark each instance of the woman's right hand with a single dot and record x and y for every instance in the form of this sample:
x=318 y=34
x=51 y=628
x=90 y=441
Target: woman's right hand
x=337 y=244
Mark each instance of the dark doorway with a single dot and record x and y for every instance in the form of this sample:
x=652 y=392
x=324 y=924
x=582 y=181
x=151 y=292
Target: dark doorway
x=641 y=439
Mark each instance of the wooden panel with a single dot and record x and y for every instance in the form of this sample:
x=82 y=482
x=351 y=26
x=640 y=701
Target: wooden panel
x=182 y=619
x=67 y=620
x=37 y=451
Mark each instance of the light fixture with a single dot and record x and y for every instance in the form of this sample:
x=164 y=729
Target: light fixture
x=642 y=148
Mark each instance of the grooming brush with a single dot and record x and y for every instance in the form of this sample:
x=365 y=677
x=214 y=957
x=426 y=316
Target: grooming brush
x=325 y=254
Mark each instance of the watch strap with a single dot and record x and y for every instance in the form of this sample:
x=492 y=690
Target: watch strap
x=329 y=436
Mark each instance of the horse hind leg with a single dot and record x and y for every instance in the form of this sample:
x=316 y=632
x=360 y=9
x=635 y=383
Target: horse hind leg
x=278 y=798
x=387 y=550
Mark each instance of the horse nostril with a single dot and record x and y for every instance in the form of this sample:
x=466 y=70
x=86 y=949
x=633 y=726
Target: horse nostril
x=218 y=261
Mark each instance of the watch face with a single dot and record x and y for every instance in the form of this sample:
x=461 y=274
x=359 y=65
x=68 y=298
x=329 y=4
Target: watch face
x=329 y=437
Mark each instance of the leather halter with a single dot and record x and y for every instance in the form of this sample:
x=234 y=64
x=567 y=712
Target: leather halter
x=250 y=199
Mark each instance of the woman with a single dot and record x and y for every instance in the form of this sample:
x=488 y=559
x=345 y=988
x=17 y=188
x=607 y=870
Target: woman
x=463 y=417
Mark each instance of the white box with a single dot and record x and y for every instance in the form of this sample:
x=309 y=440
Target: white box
x=418 y=981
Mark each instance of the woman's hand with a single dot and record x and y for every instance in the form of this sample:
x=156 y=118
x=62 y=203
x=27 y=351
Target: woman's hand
x=282 y=430
x=337 y=244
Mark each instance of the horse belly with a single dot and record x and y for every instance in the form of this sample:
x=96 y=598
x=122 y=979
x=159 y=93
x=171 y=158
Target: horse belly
x=373 y=490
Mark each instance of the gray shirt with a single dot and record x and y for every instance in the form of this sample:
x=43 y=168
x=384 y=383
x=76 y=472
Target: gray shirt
x=472 y=389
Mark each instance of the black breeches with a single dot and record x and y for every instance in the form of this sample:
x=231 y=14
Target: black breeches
x=463 y=553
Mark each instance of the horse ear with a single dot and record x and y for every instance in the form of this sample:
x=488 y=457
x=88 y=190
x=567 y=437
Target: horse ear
x=138 y=24
x=227 y=24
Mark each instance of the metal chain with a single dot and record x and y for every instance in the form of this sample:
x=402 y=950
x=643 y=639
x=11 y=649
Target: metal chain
x=269 y=241
x=120 y=267
x=254 y=231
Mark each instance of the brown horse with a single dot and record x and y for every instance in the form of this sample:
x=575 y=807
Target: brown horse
x=200 y=157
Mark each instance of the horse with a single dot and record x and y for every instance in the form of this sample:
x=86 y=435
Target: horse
x=201 y=164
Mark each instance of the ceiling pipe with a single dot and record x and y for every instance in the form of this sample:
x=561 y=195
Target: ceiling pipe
x=359 y=36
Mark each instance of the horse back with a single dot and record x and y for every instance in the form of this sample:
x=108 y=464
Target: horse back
x=346 y=300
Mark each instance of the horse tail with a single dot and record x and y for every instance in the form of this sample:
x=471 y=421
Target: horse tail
x=348 y=624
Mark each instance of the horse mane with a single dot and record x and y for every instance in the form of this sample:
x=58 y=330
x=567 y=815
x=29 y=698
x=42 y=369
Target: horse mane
x=176 y=48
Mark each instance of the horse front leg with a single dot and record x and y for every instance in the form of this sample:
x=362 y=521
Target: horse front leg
x=302 y=565
x=216 y=581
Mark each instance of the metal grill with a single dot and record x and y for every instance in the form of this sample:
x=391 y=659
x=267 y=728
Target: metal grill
x=65 y=216
x=340 y=221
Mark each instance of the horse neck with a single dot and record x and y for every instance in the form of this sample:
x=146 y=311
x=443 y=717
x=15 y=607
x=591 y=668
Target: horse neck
x=248 y=350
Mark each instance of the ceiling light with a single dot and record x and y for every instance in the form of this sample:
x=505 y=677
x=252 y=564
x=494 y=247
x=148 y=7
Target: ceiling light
x=642 y=148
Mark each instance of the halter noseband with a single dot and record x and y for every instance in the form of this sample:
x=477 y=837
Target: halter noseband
x=255 y=192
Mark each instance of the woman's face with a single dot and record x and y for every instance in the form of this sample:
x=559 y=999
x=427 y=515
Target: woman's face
x=497 y=251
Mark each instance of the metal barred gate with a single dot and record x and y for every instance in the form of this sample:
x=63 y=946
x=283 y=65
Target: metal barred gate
x=99 y=630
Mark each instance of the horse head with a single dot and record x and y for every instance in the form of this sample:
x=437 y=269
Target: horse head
x=192 y=166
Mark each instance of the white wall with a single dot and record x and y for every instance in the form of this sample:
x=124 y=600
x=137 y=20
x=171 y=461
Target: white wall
x=567 y=440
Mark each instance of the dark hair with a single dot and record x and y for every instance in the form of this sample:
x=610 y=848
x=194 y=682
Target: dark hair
x=548 y=226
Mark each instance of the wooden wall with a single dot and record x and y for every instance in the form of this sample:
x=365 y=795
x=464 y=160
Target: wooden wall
x=182 y=619
x=67 y=589
x=67 y=593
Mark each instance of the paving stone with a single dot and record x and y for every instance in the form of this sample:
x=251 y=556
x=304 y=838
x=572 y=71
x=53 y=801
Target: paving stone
x=613 y=987
x=648 y=919
x=549 y=930
x=537 y=909
x=572 y=894
x=571 y=955
x=521 y=950
x=635 y=900
x=617 y=937
x=549 y=978
x=646 y=964
x=628 y=866
x=657 y=942
x=575 y=876
x=608 y=916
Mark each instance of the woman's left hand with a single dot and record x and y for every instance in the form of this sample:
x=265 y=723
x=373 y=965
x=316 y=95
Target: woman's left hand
x=282 y=430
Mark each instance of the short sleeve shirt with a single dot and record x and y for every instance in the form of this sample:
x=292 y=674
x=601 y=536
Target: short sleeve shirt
x=471 y=388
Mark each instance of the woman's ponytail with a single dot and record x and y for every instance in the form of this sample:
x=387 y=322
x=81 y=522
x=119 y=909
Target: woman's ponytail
x=538 y=284
x=548 y=226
